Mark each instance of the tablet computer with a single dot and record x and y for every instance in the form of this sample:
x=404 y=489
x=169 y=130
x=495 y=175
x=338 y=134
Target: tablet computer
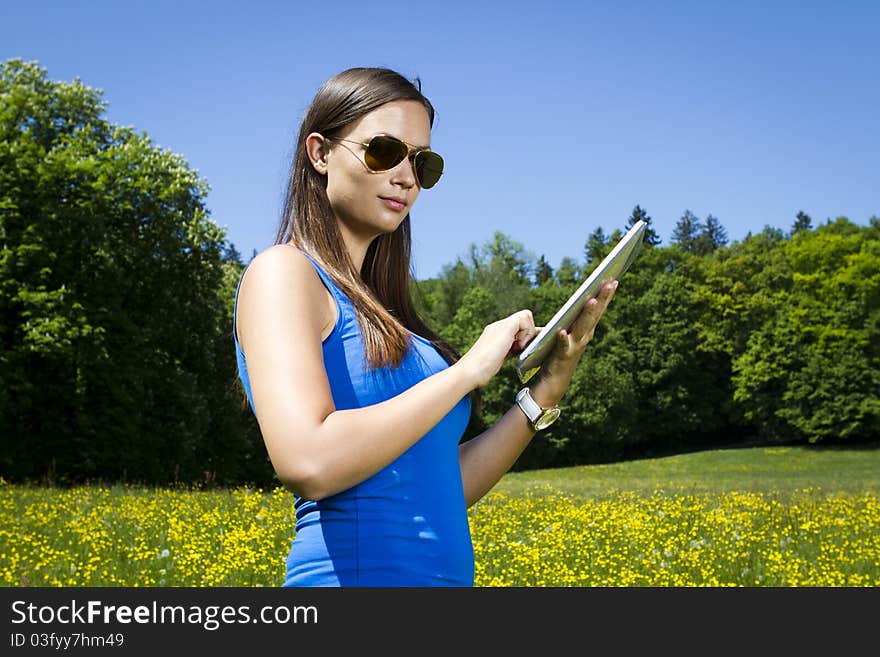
x=613 y=266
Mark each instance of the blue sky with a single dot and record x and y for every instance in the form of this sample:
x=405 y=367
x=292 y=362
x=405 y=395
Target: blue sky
x=554 y=118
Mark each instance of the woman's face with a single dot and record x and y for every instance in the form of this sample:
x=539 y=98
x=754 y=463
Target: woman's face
x=369 y=204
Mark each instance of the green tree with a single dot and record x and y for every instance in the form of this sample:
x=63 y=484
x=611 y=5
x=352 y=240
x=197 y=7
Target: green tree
x=568 y=273
x=742 y=288
x=231 y=254
x=596 y=248
x=687 y=232
x=652 y=335
x=802 y=223
x=502 y=265
x=437 y=299
x=543 y=271
x=112 y=362
x=638 y=214
x=712 y=236
x=812 y=370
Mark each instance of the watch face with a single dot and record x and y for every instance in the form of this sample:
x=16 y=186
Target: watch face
x=548 y=418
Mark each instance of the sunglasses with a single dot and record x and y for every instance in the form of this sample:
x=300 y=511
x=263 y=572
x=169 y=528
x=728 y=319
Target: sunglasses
x=384 y=152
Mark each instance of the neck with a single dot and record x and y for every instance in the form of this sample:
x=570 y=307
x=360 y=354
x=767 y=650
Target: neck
x=356 y=244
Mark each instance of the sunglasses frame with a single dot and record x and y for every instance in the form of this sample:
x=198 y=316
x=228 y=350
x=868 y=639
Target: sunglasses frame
x=411 y=154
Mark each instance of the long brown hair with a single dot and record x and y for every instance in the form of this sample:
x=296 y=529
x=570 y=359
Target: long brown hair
x=381 y=292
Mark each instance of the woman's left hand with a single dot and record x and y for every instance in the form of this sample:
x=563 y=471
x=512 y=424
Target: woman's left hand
x=557 y=370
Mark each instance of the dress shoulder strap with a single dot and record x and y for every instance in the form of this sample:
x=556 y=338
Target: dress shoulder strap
x=337 y=293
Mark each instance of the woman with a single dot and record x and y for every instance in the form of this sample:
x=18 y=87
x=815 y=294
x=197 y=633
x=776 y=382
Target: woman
x=362 y=406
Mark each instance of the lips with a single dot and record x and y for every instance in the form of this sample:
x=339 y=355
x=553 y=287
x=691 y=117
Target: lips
x=394 y=202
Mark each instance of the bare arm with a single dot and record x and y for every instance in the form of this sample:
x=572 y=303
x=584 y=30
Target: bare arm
x=486 y=458
x=315 y=449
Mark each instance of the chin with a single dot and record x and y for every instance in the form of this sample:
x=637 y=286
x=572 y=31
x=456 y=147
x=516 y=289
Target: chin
x=391 y=221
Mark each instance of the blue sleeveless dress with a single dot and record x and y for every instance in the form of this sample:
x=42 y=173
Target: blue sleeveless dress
x=406 y=525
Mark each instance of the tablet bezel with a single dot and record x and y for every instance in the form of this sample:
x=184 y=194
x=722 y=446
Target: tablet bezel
x=613 y=266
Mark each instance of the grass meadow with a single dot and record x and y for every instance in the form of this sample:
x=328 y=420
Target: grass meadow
x=781 y=517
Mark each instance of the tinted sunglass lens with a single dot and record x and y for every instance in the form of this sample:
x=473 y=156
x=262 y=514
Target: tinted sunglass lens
x=384 y=153
x=428 y=167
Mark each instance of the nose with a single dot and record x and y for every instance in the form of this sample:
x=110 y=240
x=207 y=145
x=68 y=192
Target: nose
x=403 y=174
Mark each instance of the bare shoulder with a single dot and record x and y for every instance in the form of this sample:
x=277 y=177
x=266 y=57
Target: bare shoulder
x=280 y=314
x=281 y=259
x=281 y=287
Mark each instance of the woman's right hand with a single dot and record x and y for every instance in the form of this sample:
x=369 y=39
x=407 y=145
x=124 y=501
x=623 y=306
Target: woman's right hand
x=499 y=341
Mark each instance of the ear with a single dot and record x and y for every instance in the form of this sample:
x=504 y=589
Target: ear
x=318 y=149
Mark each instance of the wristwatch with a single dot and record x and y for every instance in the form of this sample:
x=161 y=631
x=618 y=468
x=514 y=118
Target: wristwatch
x=539 y=418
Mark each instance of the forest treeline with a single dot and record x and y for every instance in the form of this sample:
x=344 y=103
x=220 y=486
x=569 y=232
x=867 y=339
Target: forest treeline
x=774 y=338
x=117 y=288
